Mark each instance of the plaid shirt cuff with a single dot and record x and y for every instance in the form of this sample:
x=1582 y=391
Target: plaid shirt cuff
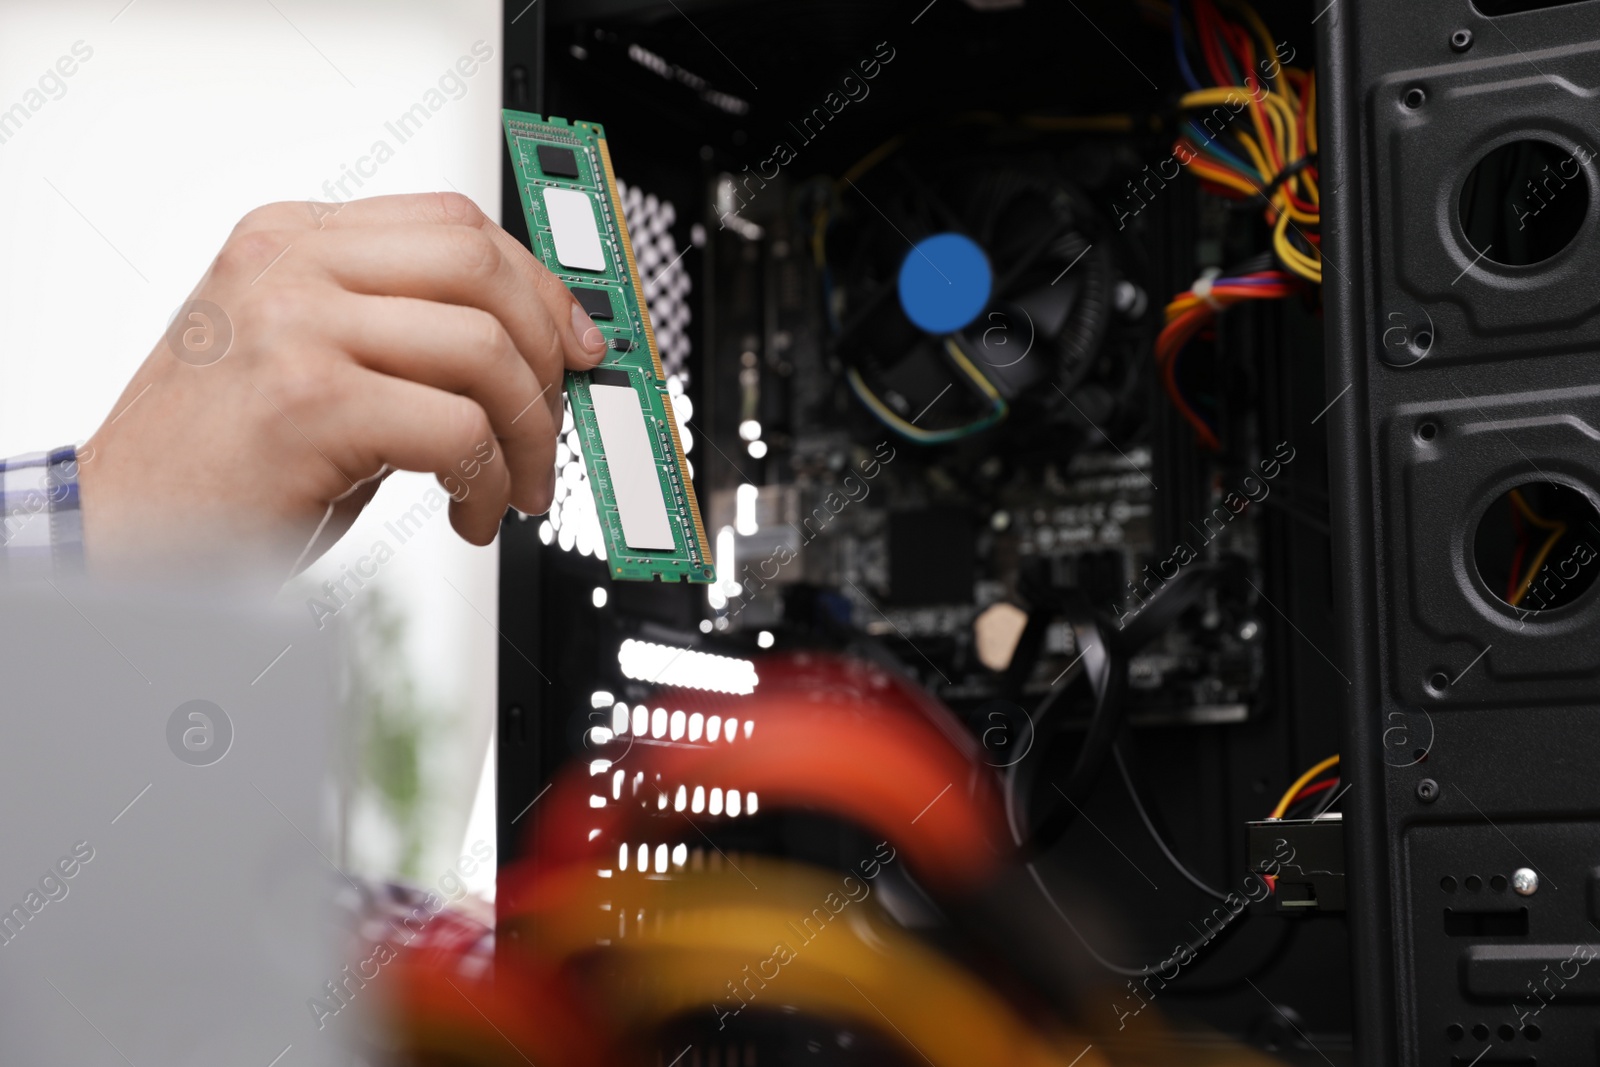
x=41 y=528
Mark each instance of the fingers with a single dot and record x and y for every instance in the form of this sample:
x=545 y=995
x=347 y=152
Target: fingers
x=463 y=265
x=444 y=211
x=467 y=351
x=460 y=338
x=476 y=516
x=415 y=427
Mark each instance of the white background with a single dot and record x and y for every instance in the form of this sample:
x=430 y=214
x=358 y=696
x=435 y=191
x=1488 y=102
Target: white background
x=114 y=198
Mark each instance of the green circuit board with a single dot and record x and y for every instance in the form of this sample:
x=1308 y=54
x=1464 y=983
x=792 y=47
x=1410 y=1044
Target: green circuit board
x=632 y=453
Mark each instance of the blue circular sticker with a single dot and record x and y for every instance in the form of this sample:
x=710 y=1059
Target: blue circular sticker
x=945 y=282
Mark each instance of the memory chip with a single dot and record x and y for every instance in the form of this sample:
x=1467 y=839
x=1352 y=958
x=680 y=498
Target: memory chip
x=622 y=415
x=596 y=303
x=610 y=376
x=558 y=162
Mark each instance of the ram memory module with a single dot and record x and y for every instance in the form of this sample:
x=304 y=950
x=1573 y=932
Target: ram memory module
x=622 y=411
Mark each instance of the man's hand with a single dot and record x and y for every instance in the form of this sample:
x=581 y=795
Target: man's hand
x=401 y=332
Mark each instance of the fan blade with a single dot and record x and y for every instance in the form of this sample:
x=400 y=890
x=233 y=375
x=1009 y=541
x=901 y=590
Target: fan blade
x=1049 y=305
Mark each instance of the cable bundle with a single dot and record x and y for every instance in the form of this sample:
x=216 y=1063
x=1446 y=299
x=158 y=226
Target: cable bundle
x=1194 y=311
x=1276 y=159
x=1303 y=787
x=603 y=960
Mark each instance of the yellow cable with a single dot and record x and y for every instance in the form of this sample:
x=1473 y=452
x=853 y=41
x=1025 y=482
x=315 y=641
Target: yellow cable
x=1532 y=516
x=1273 y=115
x=1300 y=783
x=1311 y=113
x=1226 y=178
x=1286 y=88
x=871 y=159
x=1278 y=134
x=707 y=938
x=1209 y=97
x=1287 y=124
x=1180 y=305
x=1558 y=530
x=1533 y=568
x=1275 y=109
x=984 y=384
x=882 y=410
x=1280 y=200
x=1257 y=157
x=1296 y=260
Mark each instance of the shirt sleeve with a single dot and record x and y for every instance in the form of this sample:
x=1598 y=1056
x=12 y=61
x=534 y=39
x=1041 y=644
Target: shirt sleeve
x=41 y=526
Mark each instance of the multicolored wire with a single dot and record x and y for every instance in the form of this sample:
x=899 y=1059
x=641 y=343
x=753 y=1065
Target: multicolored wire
x=1274 y=160
x=1195 y=310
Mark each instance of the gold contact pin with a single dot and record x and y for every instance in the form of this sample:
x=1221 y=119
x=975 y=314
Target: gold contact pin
x=633 y=265
x=683 y=472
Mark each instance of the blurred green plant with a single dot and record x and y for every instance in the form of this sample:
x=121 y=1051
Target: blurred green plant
x=390 y=725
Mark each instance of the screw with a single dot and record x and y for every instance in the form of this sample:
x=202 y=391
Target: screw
x=1525 y=881
x=1427 y=790
x=1461 y=40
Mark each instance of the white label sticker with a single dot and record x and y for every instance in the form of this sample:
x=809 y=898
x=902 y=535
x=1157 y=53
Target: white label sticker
x=572 y=224
x=635 y=480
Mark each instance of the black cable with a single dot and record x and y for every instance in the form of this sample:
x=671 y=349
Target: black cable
x=1103 y=668
x=1025 y=657
x=1286 y=935
x=1104 y=655
x=1266 y=192
x=1155 y=835
x=1307 y=160
x=1329 y=796
x=1225 y=928
x=1108 y=677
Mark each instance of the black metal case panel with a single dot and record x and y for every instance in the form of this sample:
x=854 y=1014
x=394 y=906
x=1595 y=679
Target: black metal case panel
x=1423 y=154
x=1515 y=978
x=1454 y=641
x=1459 y=371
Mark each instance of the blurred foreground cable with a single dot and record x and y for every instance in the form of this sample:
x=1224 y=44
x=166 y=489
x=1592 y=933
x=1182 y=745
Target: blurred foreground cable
x=688 y=948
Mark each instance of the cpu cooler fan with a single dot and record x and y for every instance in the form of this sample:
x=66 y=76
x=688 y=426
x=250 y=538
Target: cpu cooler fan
x=969 y=290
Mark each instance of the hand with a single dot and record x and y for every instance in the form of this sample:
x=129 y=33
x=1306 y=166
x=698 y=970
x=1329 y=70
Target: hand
x=325 y=346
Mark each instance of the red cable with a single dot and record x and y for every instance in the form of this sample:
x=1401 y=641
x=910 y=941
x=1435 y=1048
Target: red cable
x=1173 y=338
x=1206 y=19
x=870 y=759
x=1177 y=334
x=1312 y=790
